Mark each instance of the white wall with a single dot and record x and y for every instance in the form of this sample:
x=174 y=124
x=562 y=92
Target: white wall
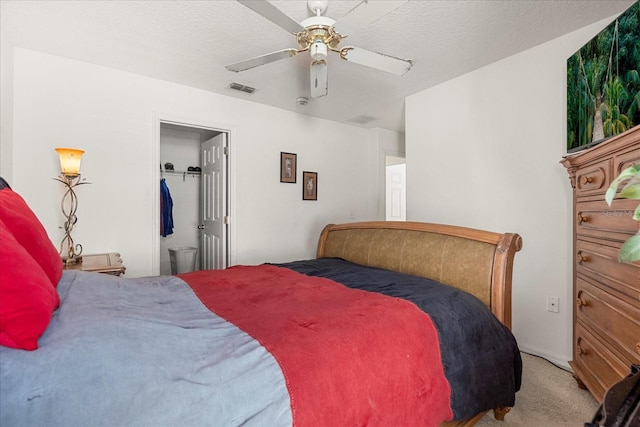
x=113 y=116
x=483 y=151
x=6 y=106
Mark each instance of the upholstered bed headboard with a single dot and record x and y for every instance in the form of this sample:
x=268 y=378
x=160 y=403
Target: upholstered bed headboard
x=476 y=261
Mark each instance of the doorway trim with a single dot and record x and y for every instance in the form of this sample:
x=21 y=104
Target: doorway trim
x=158 y=120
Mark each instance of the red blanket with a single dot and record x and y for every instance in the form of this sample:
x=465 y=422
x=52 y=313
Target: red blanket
x=349 y=357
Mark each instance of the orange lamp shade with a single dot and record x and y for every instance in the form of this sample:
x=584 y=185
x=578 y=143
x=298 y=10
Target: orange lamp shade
x=70 y=160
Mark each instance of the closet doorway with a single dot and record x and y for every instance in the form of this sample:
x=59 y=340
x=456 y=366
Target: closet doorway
x=194 y=166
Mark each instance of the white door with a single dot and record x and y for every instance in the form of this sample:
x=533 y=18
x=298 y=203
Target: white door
x=396 y=192
x=214 y=253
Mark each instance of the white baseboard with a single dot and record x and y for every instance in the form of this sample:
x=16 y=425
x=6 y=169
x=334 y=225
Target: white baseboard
x=556 y=359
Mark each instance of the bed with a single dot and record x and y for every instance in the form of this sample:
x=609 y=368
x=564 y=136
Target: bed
x=393 y=323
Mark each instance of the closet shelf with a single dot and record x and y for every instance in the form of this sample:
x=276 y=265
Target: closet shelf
x=183 y=173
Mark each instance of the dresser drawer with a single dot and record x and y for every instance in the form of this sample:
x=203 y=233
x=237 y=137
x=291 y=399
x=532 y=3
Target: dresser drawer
x=599 y=368
x=600 y=262
x=593 y=179
x=617 y=321
x=597 y=219
x=625 y=160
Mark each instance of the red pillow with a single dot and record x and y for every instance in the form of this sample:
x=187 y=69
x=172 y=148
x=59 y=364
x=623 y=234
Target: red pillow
x=29 y=232
x=27 y=298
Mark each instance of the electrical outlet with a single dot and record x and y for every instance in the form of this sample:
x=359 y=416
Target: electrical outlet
x=553 y=304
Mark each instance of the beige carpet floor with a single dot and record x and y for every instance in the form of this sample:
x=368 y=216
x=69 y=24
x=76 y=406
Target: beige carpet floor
x=549 y=397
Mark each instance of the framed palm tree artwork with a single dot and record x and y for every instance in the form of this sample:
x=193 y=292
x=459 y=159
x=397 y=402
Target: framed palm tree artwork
x=603 y=83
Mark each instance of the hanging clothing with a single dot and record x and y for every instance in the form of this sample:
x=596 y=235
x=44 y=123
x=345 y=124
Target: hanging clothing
x=166 y=210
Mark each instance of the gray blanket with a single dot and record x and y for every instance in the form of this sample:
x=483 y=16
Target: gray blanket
x=139 y=352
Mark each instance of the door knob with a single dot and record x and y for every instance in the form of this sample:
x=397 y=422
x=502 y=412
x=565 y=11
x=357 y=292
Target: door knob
x=201 y=227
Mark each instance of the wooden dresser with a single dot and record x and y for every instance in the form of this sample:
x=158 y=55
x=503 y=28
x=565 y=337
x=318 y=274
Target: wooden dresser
x=606 y=311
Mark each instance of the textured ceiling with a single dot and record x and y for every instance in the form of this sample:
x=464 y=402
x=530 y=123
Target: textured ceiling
x=190 y=42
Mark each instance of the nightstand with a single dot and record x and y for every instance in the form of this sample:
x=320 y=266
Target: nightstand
x=107 y=263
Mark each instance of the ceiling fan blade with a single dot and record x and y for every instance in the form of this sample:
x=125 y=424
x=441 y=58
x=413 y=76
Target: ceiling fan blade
x=261 y=60
x=376 y=60
x=363 y=14
x=319 y=79
x=273 y=14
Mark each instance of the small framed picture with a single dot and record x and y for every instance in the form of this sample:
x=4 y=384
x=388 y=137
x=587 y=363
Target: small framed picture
x=309 y=186
x=288 y=167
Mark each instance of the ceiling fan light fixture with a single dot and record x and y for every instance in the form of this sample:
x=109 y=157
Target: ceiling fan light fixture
x=319 y=79
x=318 y=50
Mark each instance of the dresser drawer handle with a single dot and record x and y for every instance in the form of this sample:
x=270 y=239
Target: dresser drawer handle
x=581 y=303
x=582 y=218
x=586 y=179
x=582 y=258
x=579 y=350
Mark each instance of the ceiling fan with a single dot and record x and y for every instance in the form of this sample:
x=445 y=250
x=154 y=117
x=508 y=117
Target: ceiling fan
x=320 y=35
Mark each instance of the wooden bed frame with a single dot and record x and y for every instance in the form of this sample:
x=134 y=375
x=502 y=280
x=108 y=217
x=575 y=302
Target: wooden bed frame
x=476 y=261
